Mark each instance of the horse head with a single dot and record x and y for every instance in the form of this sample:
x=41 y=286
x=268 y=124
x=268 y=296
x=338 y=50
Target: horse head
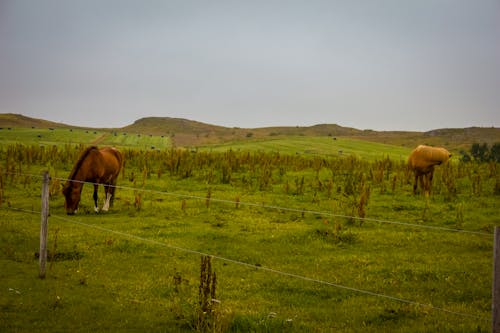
x=72 y=195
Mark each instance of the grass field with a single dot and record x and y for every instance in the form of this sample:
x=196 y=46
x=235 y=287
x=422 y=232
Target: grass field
x=283 y=219
x=322 y=146
x=72 y=136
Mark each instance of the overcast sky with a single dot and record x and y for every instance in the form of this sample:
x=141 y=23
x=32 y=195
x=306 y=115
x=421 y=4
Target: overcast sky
x=374 y=64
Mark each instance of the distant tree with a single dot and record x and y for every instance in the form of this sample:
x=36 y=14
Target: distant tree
x=479 y=152
x=495 y=152
x=464 y=156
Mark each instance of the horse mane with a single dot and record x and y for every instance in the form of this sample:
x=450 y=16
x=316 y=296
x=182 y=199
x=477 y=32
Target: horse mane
x=78 y=164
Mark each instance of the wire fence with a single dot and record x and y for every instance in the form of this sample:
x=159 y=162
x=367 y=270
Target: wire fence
x=273 y=207
x=76 y=221
x=297 y=210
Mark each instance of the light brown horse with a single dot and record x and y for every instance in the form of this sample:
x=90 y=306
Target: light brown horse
x=98 y=166
x=422 y=161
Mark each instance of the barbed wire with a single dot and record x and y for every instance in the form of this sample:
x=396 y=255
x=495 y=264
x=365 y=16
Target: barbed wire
x=273 y=207
x=257 y=267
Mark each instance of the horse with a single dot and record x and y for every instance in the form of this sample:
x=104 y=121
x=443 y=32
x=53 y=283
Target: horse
x=422 y=161
x=98 y=166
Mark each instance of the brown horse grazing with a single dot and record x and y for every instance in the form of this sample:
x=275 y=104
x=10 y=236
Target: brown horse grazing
x=422 y=161
x=98 y=166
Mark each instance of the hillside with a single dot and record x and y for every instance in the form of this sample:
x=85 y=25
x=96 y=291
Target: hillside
x=189 y=133
x=452 y=138
x=17 y=120
x=192 y=133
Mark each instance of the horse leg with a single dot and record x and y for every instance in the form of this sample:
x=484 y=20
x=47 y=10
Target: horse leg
x=96 y=209
x=422 y=182
x=108 y=191
x=429 y=180
x=415 y=184
x=112 y=191
x=425 y=183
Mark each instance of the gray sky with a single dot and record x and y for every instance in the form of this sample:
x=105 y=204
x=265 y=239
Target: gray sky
x=382 y=65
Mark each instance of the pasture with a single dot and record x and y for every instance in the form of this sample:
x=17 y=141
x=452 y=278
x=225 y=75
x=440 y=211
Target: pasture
x=322 y=146
x=76 y=136
x=315 y=241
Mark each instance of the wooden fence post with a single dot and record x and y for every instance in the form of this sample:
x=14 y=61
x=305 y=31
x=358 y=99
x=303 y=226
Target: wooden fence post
x=495 y=303
x=44 y=224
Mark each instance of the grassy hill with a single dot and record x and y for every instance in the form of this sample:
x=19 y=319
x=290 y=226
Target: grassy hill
x=16 y=120
x=189 y=133
x=317 y=145
x=63 y=136
x=454 y=139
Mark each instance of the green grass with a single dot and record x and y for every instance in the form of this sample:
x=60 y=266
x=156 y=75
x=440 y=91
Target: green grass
x=48 y=137
x=74 y=136
x=126 y=270
x=323 y=146
x=136 y=141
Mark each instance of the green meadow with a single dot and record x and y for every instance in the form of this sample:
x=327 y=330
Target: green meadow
x=321 y=146
x=77 y=136
x=305 y=234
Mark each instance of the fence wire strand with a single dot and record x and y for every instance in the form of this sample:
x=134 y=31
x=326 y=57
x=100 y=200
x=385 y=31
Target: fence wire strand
x=257 y=267
x=272 y=207
x=288 y=209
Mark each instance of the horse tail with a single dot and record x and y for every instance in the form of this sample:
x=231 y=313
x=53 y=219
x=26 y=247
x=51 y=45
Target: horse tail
x=119 y=157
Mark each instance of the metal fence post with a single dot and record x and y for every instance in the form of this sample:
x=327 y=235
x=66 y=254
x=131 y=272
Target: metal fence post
x=44 y=224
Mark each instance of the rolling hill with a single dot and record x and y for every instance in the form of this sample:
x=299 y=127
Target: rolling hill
x=18 y=120
x=189 y=133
